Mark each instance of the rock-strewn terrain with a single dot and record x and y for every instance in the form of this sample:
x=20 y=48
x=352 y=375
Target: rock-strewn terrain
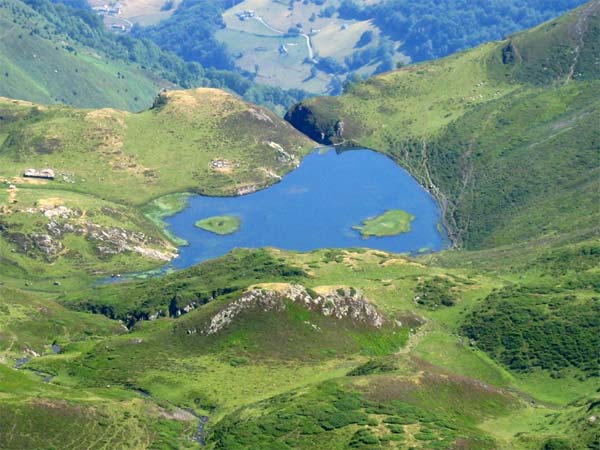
x=342 y=303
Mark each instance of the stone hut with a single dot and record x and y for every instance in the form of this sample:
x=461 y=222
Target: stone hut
x=47 y=174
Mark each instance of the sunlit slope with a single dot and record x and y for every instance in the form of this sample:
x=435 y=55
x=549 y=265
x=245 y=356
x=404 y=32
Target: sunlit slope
x=504 y=135
x=169 y=148
x=109 y=163
x=408 y=348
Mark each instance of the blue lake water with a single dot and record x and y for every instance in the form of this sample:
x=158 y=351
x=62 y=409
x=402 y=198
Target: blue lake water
x=315 y=206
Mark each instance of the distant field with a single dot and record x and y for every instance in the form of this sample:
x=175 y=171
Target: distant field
x=251 y=41
x=274 y=68
x=143 y=12
x=278 y=15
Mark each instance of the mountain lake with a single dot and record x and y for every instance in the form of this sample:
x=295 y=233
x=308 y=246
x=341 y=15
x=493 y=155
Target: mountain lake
x=315 y=206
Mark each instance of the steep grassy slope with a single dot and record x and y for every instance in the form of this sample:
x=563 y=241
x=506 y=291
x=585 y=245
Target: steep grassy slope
x=109 y=163
x=35 y=415
x=31 y=325
x=40 y=64
x=61 y=52
x=504 y=135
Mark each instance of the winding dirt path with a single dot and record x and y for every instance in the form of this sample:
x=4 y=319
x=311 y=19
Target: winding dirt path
x=309 y=47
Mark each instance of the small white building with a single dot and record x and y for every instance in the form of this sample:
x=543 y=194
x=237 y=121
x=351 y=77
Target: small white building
x=47 y=174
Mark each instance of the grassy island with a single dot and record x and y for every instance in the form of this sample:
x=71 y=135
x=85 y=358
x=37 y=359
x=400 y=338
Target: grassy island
x=390 y=223
x=220 y=224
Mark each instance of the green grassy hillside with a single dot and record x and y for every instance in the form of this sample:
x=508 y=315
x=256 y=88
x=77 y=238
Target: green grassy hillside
x=230 y=340
x=492 y=346
x=35 y=415
x=169 y=148
x=62 y=52
x=99 y=215
x=42 y=65
x=504 y=135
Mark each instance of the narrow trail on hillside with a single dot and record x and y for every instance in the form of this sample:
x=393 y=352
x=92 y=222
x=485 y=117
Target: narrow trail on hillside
x=440 y=196
x=580 y=29
x=415 y=338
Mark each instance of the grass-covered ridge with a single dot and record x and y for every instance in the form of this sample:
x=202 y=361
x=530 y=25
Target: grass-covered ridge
x=504 y=135
x=168 y=148
x=276 y=320
x=42 y=63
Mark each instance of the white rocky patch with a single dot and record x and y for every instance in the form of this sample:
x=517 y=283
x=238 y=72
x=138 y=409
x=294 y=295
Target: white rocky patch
x=339 y=304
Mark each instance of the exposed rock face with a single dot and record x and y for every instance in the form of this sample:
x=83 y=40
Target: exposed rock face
x=282 y=155
x=115 y=240
x=108 y=241
x=49 y=246
x=60 y=212
x=261 y=115
x=303 y=119
x=509 y=54
x=339 y=304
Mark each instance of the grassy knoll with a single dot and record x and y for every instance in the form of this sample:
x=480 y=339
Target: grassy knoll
x=357 y=414
x=507 y=144
x=220 y=224
x=135 y=158
x=390 y=223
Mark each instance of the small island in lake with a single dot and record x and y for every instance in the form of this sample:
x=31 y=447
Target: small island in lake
x=220 y=224
x=390 y=223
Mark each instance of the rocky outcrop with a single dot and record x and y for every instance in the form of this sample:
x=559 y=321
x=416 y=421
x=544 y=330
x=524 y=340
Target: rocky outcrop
x=302 y=117
x=510 y=55
x=48 y=245
x=108 y=241
x=340 y=304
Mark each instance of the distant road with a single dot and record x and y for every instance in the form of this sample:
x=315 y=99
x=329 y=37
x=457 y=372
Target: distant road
x=305 y=36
